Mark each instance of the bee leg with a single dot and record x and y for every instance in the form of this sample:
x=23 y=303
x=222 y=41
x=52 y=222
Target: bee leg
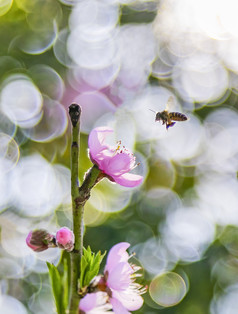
x=169 y=125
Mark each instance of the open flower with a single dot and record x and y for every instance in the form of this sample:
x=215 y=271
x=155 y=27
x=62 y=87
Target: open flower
x=114 y=162
x=119 y=281
x=65 y=239
x=40 y=240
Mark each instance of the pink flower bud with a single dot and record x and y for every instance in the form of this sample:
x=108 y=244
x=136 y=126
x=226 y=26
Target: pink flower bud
x=40 y=240
x=65 y=239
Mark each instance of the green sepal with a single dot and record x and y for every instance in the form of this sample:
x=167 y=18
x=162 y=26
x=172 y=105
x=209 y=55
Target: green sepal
x=89 y=266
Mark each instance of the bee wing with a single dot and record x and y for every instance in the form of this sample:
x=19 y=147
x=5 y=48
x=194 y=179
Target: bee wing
x=170 y=103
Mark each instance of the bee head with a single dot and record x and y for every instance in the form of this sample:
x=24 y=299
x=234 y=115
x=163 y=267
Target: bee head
x=158 y=116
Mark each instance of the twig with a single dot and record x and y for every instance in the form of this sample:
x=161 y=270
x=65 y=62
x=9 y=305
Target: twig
x=79 y=195
x=75 y=113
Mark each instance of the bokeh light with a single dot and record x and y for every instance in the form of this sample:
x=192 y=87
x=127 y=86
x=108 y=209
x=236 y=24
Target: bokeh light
x=48 y=81
x=226 y=303
x=167 y=289
x=6 y=125
x=95 y=102
x=5 y=6
x=21 y=101
x=53 y=122
x=9 y=305
x=9 y=152
x=36 y=187
x=187 y=233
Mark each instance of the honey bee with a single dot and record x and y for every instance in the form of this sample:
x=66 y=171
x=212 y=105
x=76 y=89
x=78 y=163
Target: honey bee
x=167 y=117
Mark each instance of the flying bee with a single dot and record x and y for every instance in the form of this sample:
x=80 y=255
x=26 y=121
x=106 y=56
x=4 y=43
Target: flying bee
x=167 y=117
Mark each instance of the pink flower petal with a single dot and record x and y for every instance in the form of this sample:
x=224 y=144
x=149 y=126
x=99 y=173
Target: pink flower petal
x=132 y=301
x=96 y=140
x=116 y=255
x=119 y=277
x=94 y=303
x=128 y=179
x=88 y=302
x=117 y=307
x=119 y=164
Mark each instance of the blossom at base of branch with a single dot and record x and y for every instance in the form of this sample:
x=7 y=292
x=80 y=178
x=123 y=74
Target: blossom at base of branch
x=40 y=240
x=117 y=286
x=65 y=239
x=115 y=162
x=119 y=276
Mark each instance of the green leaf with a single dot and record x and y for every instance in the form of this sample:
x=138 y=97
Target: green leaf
x=89 y=266
x=60 y=284
x=82 y=270
x=56 y=285
x=65 y=283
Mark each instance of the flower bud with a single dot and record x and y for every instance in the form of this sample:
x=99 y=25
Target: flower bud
x=40 y=240
x=65 y=239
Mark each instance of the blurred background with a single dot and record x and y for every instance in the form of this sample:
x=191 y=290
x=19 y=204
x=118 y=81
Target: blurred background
x=120 y=59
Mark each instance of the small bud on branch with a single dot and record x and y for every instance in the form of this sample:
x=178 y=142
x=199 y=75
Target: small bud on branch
x=74 y=113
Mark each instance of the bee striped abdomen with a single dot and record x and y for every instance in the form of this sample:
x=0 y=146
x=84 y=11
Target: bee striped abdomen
x=177 y=116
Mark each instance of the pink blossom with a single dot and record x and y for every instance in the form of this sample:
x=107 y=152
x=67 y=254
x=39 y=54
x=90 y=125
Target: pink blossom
x=119 y=279
x=40 y=240
x=114 y=162
x=65 y=239
x=94 y=303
